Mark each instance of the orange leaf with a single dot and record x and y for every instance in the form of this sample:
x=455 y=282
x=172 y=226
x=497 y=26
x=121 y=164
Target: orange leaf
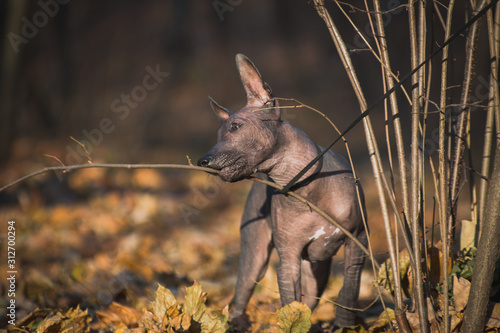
x=119 y=314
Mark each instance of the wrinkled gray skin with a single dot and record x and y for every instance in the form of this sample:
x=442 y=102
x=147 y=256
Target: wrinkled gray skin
x=251 y=142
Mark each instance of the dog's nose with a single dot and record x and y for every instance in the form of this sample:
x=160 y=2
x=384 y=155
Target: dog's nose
x=205 y=161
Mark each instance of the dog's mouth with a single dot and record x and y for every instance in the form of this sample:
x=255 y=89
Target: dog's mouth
x=231 y=169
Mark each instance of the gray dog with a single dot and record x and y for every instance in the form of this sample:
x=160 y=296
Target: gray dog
x=255 y=140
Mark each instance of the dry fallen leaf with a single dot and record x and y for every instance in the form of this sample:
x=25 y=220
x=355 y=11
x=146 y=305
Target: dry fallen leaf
x=294 y=318
x=494 y=318
x=117 y=314
x=351 y=329
x=161 y=312
x=167 y=315
x=35 y=318
x=51 y=323
x=385 y=276
x=214 y=322
x=383 y=320
x=461 y=288
x=194 y=305
x=74 y=320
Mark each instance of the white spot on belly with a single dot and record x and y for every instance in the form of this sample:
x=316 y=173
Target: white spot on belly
x=318 y=233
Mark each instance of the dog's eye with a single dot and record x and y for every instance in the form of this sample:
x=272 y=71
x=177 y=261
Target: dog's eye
x=235 y=127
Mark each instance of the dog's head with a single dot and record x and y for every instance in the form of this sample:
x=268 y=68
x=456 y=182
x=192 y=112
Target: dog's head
x=247 y=138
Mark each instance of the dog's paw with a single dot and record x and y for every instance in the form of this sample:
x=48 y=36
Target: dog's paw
x=240 y=323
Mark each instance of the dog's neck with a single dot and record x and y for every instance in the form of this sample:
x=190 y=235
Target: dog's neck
x=295 y=151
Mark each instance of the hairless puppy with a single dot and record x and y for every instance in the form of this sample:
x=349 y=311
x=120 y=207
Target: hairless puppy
x=254 y=140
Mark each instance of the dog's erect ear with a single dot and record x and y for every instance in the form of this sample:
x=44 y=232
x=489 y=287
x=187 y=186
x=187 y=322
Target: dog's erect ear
x=221 y=112
x=258 y=92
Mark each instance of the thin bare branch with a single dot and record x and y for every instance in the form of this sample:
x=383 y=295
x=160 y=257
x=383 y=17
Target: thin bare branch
x=443 y=179
x=438 y=12
x=186 y=167
x=68 y=168
x=418 y=293
x=396 y=118
x=389 y=84
x=469 y=71
x=380 y=60
x=55 y=158
x=87 y=154
x=354 y=8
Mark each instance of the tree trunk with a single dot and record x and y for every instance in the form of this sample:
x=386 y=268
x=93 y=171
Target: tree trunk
x=487 y=253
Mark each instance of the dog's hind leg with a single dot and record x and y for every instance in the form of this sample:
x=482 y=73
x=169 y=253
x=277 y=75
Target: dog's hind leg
x=348 y=296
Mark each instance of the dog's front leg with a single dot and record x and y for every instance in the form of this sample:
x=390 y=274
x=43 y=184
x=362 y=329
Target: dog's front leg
x=256 y=247
x=289 y=277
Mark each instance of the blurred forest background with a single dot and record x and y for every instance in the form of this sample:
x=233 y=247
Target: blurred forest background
x=79 y=71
